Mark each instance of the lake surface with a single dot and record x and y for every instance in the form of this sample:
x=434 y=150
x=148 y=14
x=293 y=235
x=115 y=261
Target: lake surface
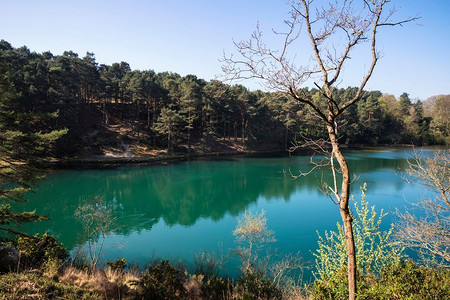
x=175 y=210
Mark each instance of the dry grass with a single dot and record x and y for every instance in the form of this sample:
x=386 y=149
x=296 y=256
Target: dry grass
x=111 y=284
x=295 y=293
x=193 y=286
x=34 y=286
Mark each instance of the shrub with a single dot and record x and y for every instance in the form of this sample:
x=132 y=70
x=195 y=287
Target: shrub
x=374 y=248
x=335 y=286
x=208 y=263
x=162 y=281
x=34 y=251
x=255 y=286
x=406 y=280
x=217 y=288
x=403 y=280
x=118 y=265
x=374 y=251
x=9 y=257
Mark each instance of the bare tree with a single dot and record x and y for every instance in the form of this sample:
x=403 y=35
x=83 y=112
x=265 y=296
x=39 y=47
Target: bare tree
x=98 y=221
x=334 y=31
x=253 y=235
x=428 y=231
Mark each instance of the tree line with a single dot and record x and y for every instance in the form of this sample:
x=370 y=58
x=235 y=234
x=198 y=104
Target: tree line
x=166 y=110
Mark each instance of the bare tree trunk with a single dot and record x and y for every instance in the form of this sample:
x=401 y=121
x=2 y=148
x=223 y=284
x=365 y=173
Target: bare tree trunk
x=148 y=114
x=344 y=209
x=243 y=133
x=286 y=138
x=168 y=143
x=189 y=141
x=358 y=23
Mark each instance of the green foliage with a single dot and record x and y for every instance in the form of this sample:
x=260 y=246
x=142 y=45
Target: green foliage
x=254 y=286
x=24 y=137
x=34 y=251
x=118 y=265
x=406 y=280
x=162 y=281
x=374 y=249
x=88 y=96
x=440 y=123
x=335 y=286
x=216 y=288
x=167 y=124
x=403 y=280
x=7 y=216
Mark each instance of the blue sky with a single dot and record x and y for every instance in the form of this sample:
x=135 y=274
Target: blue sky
x=190 y=36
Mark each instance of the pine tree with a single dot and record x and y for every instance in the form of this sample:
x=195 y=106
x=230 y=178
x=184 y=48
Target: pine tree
x=22 y=141
x=167 y=124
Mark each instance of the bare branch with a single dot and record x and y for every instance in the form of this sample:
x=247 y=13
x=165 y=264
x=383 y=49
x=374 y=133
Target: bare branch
x=429 y=231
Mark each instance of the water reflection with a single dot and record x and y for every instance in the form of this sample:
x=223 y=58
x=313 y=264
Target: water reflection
x=186 y=192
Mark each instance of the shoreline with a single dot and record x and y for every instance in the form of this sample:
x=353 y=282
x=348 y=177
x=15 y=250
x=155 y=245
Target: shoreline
x=138 y=160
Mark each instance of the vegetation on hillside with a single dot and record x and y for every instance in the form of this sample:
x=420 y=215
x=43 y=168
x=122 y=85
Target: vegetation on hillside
x=112 y=106
x=26 y=135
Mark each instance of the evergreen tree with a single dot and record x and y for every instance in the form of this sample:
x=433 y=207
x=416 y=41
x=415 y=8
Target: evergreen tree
x=405 y=103
x=167 y=124
x=22 y=141
x=189 y=102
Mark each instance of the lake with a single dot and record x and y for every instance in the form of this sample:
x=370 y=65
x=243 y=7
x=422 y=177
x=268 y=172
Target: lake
x=176 y=210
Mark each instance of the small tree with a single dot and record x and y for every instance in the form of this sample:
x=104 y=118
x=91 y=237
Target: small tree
x=268 y=276
x=374 y=248
x=98 y=222
x=429 y=231
x=253 y=235
x=334 y=31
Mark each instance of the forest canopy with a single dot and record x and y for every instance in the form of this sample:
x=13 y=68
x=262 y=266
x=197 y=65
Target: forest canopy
x=166 y=110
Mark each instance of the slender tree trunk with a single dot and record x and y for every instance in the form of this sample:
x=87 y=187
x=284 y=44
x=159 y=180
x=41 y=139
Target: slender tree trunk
x=286 y=138
x=243 y=133
x=344 y=209
x=189 y=141
x=190 y=121
x=148 y=114
x=168 y=143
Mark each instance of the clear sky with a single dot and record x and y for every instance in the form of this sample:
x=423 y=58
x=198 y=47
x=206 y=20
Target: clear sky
x=190 y=36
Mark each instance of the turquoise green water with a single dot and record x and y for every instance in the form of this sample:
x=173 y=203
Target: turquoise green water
x=175 y=210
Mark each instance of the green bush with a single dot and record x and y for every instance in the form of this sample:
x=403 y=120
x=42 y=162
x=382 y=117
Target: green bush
x=407 y=280
x=374 y=248
x=118 y=265
x=162 y=281
x=335 y=286
x=255 y=286
x=34 y=251
x=374 y=251
x=216 y=288
x=404 y=280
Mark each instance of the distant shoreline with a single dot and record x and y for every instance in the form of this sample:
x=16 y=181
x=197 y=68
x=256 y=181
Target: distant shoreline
x=117 y=160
